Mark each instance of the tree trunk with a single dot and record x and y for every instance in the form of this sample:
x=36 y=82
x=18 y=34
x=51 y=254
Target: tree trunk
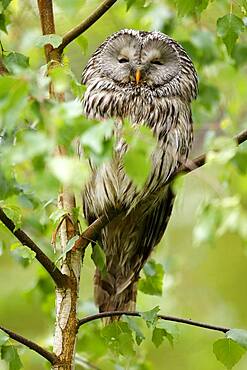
x=66 y=314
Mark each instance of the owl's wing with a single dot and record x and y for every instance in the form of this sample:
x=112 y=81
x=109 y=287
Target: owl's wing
x=153 y=225
x=128 y=241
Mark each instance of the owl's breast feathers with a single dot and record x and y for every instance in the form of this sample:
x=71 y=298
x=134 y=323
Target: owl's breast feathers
x=141 y=104
x=169 y=117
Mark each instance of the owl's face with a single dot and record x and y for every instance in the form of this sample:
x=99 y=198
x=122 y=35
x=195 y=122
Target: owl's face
x=139 y=58
x=145 y=64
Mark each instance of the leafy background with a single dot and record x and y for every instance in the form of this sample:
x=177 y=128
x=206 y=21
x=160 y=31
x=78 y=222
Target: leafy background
x=201 y=261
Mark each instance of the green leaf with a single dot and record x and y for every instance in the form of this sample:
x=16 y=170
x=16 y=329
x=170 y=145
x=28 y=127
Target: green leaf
x=22 y=254
x=75 y=213
x=209 y=96
x=187 y=7
x=99 y=258
x=138 y=3
x=244 y=4
x=217 y=217
x=13 y=99
x=5 y=3
x=229 y=28
x=222 y=149
x=239 y=336
x=133 y=325
x=15 y=59
x=83 y=43
x=10 y=355
x=29 y=145
x=228 y=352
x=126 y=344
x=3 y=337
x=60 y=78
x=52 y=39
x=71 y=243
x=70 y=171
x=3 y=23
x=118 y=337
x=158 y=336
x=137 y=159
x=206 y=226
x=151 y=317
x=14 y=214
x=97 y=141
x=202 y=47
x=68 y=248
x=239 y=54
x=57 y=215
x=8 y=184
x=129 y=3
x=240 y=160
x=153 y=282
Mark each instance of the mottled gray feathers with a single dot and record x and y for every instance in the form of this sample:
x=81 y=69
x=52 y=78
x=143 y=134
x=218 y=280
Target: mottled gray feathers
x=161 y=100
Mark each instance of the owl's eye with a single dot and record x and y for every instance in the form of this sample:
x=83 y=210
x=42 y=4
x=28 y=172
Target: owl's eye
x=123 y=60
x=157 y=62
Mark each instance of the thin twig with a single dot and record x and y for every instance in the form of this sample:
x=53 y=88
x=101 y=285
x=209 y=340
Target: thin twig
x=51 y=357
x=60 y=279
x=162 y=317
x=82 y=27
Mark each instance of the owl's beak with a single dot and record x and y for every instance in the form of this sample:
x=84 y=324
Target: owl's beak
x=138 y=75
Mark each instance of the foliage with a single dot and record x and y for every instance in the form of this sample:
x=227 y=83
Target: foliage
x=9 y=352
x=211 y=202
x=152 y=283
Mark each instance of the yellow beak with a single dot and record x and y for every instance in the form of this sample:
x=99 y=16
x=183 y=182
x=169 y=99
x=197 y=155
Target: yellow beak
x=138 y=75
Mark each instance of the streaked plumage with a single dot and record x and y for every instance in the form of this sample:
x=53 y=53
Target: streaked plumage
x=161 y=100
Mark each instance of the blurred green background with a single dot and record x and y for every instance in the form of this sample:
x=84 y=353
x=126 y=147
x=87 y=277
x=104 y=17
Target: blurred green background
x=205 y=269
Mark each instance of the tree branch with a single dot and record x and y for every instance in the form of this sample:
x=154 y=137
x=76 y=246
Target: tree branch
x=48 y=27
x=60 y=279
x=91 y=233
x=162 y=317
x=65 y=330
x=51 y=357
x=82 y=27
x=200 y=161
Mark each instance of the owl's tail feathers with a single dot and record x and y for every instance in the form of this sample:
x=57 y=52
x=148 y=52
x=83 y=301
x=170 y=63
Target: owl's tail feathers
x=109 y=299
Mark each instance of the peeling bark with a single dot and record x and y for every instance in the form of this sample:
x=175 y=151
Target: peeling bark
x=66 y=314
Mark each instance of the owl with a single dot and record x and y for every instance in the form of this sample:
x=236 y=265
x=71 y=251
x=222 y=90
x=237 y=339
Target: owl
x=148 y=79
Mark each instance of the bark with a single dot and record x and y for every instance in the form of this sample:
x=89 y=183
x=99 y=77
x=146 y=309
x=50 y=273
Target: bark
x=66 y=295
x=66 y=314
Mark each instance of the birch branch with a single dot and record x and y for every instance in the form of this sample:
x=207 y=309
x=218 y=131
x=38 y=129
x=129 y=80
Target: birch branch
x=66 y=297
x=84 y=25
x=51 y=357
x=57 y=276
x=161 y=317
x=48 y=27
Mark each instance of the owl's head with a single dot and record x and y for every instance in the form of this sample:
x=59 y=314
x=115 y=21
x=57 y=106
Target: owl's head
x=137 y=59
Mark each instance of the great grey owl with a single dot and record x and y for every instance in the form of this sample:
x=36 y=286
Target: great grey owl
x=148 y=78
